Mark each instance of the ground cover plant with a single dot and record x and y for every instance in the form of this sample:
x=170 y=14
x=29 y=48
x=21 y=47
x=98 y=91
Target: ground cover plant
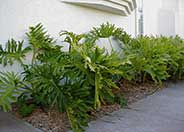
x=83 y=78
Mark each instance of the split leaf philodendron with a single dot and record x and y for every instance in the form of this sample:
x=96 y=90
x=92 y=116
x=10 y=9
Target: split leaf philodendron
x=84 y=77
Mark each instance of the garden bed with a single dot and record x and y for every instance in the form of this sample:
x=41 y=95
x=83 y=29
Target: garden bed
x=53 y=121
x=83 y=81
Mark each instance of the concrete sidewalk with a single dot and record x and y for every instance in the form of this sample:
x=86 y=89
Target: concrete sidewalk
x=161 y=112
x=9 y=123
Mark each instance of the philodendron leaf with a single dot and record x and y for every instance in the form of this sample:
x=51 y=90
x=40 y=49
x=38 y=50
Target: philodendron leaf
x=10 y=89
x=12 y=52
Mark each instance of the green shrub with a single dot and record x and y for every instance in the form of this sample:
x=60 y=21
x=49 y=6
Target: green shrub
x=10 y=88
x=96 y=64
x=157 y=58
x=83 y=78
x=73 y=82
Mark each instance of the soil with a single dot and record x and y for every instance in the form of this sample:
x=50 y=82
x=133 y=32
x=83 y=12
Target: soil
x=133 y=91
x=53 y=121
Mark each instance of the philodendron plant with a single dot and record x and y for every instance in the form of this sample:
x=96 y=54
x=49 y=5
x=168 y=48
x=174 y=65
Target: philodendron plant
x=83 y=78
x=73 y=81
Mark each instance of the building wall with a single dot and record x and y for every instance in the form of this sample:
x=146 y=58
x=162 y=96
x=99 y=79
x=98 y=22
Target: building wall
x=180 y=19
x=163 y=17
x=17 y=15
x=150 y=18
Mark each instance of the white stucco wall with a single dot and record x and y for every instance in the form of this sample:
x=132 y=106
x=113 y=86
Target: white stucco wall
x=150 y=12
x=17 y=15
x=180 y=19
x=163 y=17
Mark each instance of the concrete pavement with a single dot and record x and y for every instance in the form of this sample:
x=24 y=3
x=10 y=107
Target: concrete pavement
x=161 y=112
x=9 y=123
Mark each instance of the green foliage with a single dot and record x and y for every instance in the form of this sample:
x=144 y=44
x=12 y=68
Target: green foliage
x=10 y=89
x=13 y=51
x=84 y=77
x=104 y=31
x=98 y=66
x=121 y=100
x=107 y=30
x=24 y=109
x=72 y=39
x=57 y=83
x=157 y=58
x=62 y=89
x=39 y=41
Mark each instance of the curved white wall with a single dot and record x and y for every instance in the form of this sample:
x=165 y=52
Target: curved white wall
x=17 y=15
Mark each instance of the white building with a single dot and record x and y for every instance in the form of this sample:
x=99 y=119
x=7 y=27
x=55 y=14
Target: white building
x=163 y=17
x=160 y=17
x=56 y=15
